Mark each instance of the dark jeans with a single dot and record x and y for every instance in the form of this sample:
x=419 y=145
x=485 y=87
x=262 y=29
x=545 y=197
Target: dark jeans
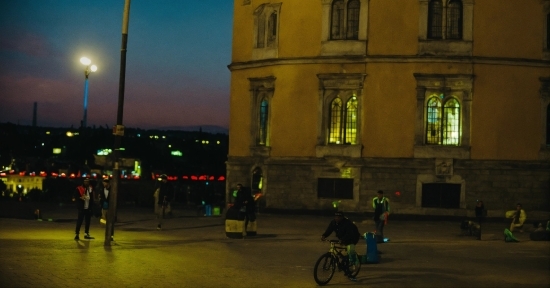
x=379 y=228
x=83 y=215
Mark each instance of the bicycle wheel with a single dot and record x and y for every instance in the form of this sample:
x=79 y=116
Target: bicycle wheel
x=355 y=267
x=324 y=269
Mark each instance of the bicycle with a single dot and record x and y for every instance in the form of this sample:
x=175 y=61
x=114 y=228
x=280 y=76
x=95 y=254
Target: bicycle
x=326 y=264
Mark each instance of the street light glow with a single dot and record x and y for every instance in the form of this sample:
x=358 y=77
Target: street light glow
x=93 y=68
x=85 y=61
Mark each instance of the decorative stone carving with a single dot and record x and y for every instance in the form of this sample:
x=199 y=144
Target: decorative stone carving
x=443 y=167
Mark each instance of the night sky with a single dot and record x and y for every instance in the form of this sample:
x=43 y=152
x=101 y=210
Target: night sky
x=176 y=73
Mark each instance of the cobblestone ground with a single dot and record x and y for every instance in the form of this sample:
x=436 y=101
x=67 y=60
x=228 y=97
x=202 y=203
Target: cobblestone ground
x=194 y=252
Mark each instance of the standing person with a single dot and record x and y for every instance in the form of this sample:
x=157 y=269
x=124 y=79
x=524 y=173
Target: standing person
x=518 y=218
x=104 y=194
x=83 y=196
x=381 y=207
x=165 y=193
x=480 y=211
x=348 y=234
x=244 y=202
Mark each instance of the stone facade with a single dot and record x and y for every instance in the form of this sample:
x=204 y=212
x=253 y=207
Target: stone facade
x=387 y=78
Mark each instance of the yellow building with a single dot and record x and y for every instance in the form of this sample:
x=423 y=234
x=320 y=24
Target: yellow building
x=438 y=103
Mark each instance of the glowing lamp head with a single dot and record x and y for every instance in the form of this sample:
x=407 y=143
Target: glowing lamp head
x=93 y=68
x=85 y=61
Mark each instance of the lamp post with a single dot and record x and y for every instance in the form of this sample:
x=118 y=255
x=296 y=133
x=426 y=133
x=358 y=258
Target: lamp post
x=89 y=68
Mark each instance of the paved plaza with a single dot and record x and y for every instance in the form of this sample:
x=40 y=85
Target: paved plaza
x=193 y=251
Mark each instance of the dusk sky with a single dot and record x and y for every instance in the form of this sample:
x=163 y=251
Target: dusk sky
x=176 y=73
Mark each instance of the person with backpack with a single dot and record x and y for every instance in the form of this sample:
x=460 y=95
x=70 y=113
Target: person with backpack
x=346 y=231
x=381 y=207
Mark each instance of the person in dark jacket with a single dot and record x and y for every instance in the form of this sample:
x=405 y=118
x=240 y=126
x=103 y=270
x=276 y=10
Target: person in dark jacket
x=245 y=203
x=83 y=196
x=166 y=191
x=104 y=194
x=381 y=207
x=348 y=234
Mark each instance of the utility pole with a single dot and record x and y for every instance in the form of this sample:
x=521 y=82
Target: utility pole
x=118 y=130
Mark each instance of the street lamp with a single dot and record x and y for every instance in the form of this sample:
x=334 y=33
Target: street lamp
x=89 y=68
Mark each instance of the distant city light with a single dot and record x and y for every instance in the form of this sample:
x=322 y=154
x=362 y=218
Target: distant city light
x=106 y=151
x=56 y=151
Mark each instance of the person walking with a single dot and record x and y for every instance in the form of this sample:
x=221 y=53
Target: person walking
x=348 y=234
x=165 y=193
x=104 y=204
x=381 y=207
x=83 y=196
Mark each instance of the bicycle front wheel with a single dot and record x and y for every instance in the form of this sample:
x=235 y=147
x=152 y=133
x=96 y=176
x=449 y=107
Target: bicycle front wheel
x=324 y=269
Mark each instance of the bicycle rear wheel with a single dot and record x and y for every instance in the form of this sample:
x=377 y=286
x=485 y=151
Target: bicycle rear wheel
x=324 y=269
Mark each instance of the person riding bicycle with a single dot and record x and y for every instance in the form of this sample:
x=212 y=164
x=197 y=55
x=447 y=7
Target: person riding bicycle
x=348 y=234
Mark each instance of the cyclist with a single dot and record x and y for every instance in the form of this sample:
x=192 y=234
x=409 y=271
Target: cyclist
x=347 y=233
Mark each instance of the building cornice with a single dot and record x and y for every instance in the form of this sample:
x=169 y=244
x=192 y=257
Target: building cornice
x=389 y=59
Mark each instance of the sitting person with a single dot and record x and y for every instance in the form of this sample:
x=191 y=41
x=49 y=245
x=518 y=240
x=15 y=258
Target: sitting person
x=518 y=218
x=541 y=233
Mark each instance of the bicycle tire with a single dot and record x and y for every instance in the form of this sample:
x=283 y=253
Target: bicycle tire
x=324 y=269
x=354 y=269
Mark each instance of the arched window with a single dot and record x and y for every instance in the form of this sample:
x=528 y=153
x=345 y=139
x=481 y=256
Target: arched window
x=335 y=121
x=343 y=122
x=433 y=119
x=345 y=19
x=435 y=18
x=272 y=29
x=351 y=121
x=443 y=121
x=445 y=19
x=454 y=20
x=264 y=108
x=451 y=122
x=337 y=19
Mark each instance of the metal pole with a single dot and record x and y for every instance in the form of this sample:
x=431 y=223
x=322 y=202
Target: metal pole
x=84 y=120
x=119 y=129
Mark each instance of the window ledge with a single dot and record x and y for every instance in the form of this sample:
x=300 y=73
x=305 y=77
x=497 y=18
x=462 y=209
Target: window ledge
x=445 y=47
x=435 y=151
x=265 y=53
x=260 y=151
x=353 y=151
x=343 y=47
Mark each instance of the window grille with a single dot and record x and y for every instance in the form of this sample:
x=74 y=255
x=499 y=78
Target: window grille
x=454 y=20
x=335 y=121
x=353 y=19
x=351 y=121
x=451 y=125
x=433 y=135
x=337 y=19
x=435 y=19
